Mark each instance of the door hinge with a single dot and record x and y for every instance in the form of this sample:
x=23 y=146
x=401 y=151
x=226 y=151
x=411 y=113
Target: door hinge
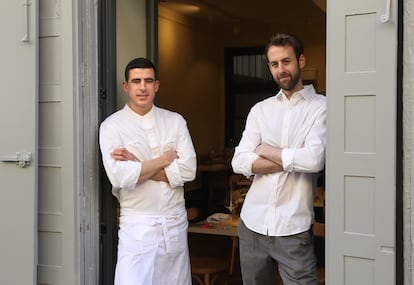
x=103 y=228
x=102 y=96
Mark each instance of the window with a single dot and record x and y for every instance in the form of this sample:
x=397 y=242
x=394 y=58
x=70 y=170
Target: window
x=248 y=81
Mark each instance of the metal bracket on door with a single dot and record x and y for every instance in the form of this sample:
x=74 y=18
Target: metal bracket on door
x=385 y=18
x=22 y=159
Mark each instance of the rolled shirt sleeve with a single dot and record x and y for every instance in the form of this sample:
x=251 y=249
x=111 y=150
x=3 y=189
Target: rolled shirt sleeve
x=184 y=168
x=170 y=131
x=298 y=126
x=244 y=154
x=121 y=174
x=309 y=156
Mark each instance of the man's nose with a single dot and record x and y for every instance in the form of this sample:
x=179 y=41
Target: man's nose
x=280 y=68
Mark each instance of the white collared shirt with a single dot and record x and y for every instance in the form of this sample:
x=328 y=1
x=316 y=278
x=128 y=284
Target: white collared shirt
x=281 y=204
x=147 y=137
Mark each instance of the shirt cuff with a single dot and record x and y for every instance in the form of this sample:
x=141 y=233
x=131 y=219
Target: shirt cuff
x=287 y=159
x=131 y=176
x=243 y=165
x=173 y=174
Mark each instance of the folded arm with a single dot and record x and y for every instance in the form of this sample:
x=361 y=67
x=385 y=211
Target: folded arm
x=265 y=166
x=152 y=169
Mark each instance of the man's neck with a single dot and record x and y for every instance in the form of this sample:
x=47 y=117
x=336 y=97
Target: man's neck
x=289 y=93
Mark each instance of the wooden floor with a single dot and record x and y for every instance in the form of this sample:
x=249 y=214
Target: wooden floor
x=220 y=246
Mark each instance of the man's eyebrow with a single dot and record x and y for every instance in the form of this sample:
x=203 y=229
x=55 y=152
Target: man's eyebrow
x=145 y=78
x=283 y=59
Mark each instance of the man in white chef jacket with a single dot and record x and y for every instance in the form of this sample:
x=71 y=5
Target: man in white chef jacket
x=148 y=155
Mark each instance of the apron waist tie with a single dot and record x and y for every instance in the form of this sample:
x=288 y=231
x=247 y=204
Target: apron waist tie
x=164 y=226
x=158 y=219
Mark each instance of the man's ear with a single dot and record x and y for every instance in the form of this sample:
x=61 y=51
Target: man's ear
x=125 y=86
x=302 y=61
x=157 y=85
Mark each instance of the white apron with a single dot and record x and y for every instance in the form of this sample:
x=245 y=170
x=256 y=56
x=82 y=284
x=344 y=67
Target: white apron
x=153 y=249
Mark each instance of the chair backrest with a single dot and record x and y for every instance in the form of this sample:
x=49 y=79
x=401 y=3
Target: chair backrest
x=319 y=229
x=233 y=179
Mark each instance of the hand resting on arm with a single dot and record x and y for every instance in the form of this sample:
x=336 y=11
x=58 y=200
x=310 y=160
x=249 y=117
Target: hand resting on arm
x=269 y=161
x=152 y=169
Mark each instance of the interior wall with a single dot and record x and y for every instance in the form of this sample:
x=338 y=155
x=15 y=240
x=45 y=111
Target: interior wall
x=130 y=32
x=191 y=66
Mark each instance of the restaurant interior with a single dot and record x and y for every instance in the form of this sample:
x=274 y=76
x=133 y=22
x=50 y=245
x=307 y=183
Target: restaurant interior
x=211 y=68
x=212 y=72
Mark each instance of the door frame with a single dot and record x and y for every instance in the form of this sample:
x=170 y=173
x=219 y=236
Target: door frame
x=399 y=215
x=107 y=105
x=107 y=102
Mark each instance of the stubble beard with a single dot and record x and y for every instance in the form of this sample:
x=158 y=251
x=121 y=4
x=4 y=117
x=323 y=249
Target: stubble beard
x=290 y=84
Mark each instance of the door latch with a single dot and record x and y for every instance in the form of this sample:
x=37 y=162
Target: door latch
x=22 y=159
x=385 y=18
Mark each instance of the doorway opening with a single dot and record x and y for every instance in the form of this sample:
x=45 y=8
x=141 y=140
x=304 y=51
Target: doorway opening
x=197 y=53
x=194 y=43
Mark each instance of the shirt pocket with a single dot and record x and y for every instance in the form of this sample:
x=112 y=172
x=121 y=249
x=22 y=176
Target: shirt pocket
x=140 y=149
x=170 y=144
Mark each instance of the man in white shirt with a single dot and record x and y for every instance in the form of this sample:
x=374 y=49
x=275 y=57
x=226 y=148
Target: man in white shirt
x=283 y=146
x=148 y=155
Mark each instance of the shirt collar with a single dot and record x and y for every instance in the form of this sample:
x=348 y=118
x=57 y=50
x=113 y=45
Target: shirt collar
x=304 y=93
x=136 y=115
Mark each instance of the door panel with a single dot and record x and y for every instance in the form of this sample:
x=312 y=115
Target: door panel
x=361 y=147
x=18 y=126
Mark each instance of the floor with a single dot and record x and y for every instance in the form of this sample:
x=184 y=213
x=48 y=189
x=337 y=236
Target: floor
x=217 y=246
x=220 y=246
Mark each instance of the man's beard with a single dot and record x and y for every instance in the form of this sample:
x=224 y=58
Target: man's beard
x=290 y=84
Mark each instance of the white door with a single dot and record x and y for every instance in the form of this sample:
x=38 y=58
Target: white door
x=361 y=146
x=18 y=129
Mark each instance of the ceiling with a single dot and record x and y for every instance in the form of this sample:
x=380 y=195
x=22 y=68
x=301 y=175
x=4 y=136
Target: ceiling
x=244 y=12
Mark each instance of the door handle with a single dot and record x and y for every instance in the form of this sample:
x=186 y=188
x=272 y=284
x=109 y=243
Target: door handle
x=26 y=5
x=385 y=18
x=22 y=159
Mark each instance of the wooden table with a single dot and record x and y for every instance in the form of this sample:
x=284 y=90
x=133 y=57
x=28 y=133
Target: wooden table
x=205 y=228
x=231 y=230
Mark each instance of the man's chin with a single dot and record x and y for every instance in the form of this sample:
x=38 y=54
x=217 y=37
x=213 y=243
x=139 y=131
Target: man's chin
x=287 y=87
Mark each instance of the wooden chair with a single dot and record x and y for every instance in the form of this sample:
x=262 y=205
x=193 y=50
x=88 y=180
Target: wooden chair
x=237 y=181
x=319 y=231
x=207 y=270
x=233 y=180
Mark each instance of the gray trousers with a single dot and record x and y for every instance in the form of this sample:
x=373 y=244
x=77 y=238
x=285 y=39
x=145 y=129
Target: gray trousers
x=261 y=256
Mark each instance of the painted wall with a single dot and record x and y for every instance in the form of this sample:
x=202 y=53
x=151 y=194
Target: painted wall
x=191 y=66
x=190 y=61
x=130 y=32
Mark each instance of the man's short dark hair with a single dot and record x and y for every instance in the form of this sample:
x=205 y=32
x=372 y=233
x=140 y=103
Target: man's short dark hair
x=139 y=62
x=282 y=39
